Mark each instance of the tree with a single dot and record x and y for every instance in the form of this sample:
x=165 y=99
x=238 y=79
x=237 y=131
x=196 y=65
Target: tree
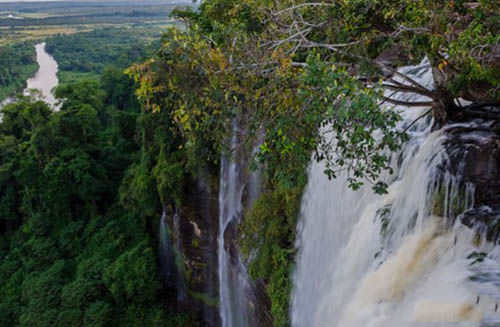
x=370 y=38
x=294 y=68
x=71 y=253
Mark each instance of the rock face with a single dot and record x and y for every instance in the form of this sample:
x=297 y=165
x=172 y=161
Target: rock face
x=474 y=151
x=483 y=219
x=190 y=260
x=193 y=236
x=258 y=304
x=244 y=302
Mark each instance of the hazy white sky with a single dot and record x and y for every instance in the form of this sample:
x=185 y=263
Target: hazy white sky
x=63 y=0
x=28 y=0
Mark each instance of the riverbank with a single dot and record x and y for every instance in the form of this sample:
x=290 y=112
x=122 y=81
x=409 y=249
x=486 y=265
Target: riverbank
x=42 y=78
x=17 y=64
x=25 y=73
x=45 y=79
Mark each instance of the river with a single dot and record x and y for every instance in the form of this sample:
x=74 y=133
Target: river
x=45 y=79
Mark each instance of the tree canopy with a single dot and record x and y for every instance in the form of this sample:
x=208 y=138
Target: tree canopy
x=17 y=63
x=73 y=251
x=293 y=68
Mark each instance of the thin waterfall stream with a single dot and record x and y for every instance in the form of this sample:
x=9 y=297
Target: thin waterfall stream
x=231 y=282
x=239 y=187
x=400 y=259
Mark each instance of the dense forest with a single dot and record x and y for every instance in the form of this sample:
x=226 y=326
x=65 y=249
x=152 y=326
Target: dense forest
x=17 y=63
x=88 y=53
x=77 y=246
x=281 y=85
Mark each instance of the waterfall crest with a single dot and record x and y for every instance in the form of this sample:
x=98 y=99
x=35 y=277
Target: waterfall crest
x=401 y=259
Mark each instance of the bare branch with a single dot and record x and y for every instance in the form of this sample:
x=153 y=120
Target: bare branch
x=302 y=5
x=416 y=120
x=408 y=103
x=401 y=29
x=403 y=76
x=406 y=88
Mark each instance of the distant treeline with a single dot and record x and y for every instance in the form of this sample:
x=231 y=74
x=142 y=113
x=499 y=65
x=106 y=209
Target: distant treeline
x=65 y=6
x=17 y=63
x=90 y=52
x=105 y=18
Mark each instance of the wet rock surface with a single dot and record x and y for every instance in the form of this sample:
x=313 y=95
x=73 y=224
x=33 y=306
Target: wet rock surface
x=193 y=229
x=485 y=220
x=257 y=299
x=474 y=156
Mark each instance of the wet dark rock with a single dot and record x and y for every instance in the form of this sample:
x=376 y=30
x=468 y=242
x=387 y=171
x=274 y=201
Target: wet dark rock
x=474 y=152
x=168 y=270
x=194 y=237
x=262 y=310
x=474 y=157
x=485 y=220
x=231 y=241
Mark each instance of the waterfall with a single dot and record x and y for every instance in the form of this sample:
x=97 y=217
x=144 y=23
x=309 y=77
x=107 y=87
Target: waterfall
x=239 y=188
x=233 y=280
x=399 y=259
x=169 y=254
x=167 y=260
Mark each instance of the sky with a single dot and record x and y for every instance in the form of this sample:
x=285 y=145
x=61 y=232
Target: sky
x=27 y=0
x=57 y=0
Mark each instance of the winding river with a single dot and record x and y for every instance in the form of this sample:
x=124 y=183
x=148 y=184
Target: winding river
x=45 y=79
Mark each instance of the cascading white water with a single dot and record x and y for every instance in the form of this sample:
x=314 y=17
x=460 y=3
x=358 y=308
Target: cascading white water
x=367 y=260
x=233 y=280
x=229 y=207
x=239 y=188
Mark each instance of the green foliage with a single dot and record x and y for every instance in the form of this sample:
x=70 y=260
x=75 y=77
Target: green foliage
x=71 y=253
x=196 y=83
x=17 y=64
x=460 y=39
x=267 y=237
x=80 y=188
x=310 y=78
x=350 y=115
x=88 y=53
x=132 y=276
